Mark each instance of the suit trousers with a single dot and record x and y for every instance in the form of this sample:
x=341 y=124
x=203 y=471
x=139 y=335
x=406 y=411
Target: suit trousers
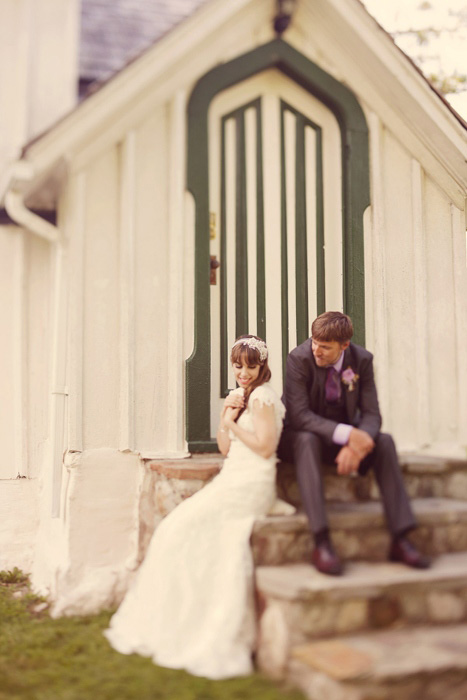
x=308 y=452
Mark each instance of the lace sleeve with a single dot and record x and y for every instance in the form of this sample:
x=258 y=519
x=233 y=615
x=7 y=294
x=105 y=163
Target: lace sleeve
x=265 y=395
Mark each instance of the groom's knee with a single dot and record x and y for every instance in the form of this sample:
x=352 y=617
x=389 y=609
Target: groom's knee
x=306 y=445
x=384 y=443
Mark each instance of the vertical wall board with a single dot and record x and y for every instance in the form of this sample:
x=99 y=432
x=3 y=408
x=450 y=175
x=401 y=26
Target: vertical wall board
x=151 y=294
x=375 y=266
x=101 y=294
x=399 y=270
x=76 y=234
x=8 y=256
x=442 y=329
x=460 y=281
x=39 y=269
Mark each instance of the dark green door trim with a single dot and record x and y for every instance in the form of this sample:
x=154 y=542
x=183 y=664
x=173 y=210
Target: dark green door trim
x=356 y=197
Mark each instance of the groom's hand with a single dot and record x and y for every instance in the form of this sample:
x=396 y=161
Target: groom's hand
x=347 y=461
x=361 y=443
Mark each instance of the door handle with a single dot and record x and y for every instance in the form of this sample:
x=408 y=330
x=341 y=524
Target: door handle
x=213 y=264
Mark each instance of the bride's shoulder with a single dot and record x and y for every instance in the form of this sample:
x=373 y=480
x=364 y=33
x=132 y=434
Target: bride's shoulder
x=265 y=394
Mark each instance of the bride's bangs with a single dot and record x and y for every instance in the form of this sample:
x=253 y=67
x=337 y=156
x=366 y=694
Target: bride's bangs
x=243 y=353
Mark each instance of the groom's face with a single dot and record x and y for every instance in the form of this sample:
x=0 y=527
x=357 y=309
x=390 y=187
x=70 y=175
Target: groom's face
x=327 y=352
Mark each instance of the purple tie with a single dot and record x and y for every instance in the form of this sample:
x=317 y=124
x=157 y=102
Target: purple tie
x=333 y=385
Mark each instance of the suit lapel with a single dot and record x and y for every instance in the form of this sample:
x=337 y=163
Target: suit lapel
x=317 y=384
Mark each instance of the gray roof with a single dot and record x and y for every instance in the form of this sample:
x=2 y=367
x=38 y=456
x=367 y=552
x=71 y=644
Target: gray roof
x=115 y=31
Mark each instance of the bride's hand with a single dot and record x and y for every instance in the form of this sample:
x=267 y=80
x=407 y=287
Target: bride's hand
x=234 y=401
x=230 y=415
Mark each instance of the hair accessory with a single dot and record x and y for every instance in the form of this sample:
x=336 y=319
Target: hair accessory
x=256 y=344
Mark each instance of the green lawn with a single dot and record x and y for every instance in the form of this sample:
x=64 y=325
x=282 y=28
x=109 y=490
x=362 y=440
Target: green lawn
x=69 y=659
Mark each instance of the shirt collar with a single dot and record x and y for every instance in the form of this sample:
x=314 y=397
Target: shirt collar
x=338 y=365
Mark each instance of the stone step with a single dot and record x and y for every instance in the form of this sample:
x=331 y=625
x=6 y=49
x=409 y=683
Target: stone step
x=297 y=604
x=359 y=532
x=425 y=477
x=425 y=662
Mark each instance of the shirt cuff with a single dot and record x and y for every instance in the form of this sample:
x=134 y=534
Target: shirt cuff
x=341 y=434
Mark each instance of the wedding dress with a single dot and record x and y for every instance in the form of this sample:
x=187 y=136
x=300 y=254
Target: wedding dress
x=191 y=605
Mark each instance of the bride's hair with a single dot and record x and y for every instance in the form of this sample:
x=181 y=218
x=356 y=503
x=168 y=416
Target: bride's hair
x=250 y=354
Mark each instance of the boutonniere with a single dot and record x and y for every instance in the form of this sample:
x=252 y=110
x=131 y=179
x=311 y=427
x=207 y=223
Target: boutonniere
x=349 y=378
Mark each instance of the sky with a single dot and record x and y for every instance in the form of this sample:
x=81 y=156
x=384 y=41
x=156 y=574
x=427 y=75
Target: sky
x=446 y=51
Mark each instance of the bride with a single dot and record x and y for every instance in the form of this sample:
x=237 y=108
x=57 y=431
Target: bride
x=191 y=605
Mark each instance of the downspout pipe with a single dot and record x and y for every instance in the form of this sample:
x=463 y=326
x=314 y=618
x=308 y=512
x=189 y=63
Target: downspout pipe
x=21 y=215
x=36 y=225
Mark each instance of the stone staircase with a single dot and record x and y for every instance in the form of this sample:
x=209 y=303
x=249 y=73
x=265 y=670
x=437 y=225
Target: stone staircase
x=382 y=631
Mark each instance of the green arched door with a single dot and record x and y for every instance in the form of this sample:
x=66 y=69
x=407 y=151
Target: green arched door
x=279 y=196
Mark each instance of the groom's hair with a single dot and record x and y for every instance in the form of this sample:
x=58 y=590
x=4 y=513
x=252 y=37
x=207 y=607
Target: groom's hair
x=332 y=326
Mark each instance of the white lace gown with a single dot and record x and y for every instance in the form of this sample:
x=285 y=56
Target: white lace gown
x=191 y=605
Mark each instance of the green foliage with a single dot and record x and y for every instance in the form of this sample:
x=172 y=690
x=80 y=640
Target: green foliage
x=448 y=84
x=69 y=659
x=15 y=576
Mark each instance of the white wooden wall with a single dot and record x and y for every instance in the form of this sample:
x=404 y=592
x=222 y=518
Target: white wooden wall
x=416 y=290
x=118 y=355
x=416 y=300
x=129 y=226
x=25 y=278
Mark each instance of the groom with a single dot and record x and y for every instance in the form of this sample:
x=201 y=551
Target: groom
x=333 y=416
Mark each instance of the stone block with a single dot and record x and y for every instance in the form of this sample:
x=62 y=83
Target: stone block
x=273 y=641
x=413 y=606
x=383 y=611
x=323 y=617
x=335 y=658
x=354 y=544
x=456 y=486
x=352 y=615
x=425 y=662
x=446 y=606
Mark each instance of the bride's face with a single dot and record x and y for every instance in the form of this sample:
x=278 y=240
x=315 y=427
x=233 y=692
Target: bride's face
x=245 y=374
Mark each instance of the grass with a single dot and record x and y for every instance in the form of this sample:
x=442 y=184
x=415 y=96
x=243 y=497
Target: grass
x=69 y=659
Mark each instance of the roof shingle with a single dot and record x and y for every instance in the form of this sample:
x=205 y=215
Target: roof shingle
x=115 y=31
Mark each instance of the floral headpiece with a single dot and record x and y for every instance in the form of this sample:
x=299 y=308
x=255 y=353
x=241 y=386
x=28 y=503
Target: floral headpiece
x=256 y=344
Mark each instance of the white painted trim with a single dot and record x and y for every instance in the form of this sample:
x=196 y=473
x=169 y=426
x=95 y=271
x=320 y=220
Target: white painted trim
x=175 y=359
x=332 y=205
x=214 y=150
x=362 y=30
x=230 y=238
x=408 y=102
x=369 y=59
x=272 y=225
x=251 y=213
x=310 y=196
x=422 y=398
x=127 y=292
x=290 y=121
x=138 y=78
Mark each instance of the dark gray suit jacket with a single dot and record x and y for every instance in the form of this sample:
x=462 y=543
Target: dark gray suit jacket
x=304 y=393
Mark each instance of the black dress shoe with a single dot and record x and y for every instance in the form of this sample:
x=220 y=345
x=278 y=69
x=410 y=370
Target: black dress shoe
x=326 y=560
x=404 y=552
